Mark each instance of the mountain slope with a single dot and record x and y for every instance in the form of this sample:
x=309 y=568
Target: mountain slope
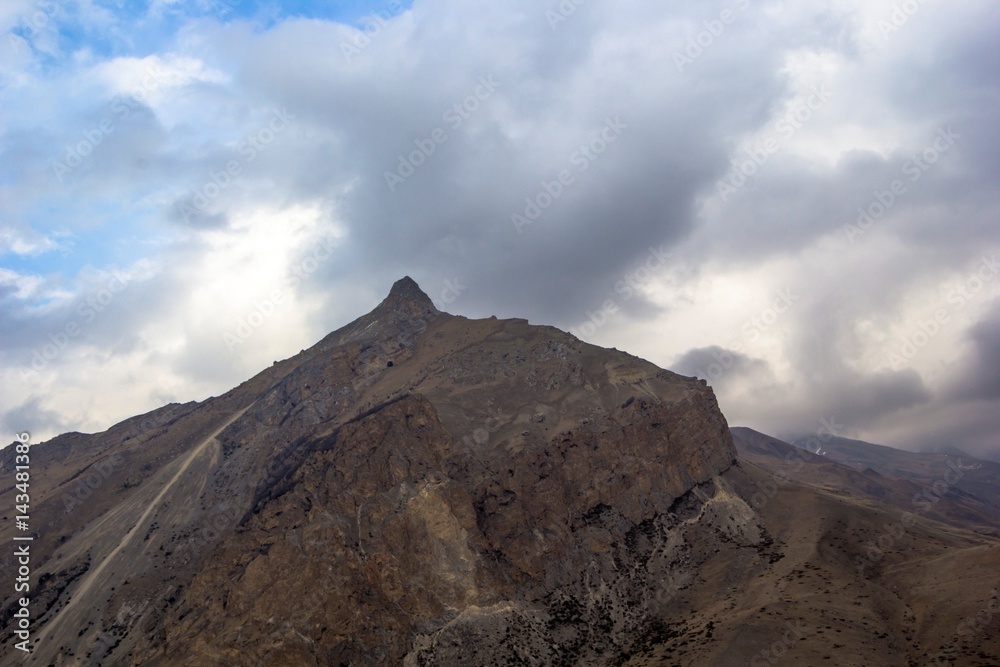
x=423 y=489
x=939 y=497
x=557 y=404
x=978 y=477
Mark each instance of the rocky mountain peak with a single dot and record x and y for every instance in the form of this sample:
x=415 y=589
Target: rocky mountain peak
x=401 y=316
x=407 y=295
x=426 y=489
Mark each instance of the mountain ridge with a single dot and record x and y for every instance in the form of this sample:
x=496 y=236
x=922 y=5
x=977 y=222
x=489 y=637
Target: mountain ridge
x=420 y=488
x=950 y=495
x=482 y=381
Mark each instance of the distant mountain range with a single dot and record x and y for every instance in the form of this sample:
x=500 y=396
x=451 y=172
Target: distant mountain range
x=420 y=488
x=956 y=489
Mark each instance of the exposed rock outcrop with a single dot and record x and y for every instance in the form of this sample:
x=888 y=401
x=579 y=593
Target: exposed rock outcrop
x=424 y=489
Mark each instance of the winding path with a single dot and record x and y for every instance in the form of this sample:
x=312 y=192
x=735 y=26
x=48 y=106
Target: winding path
x=92 y=576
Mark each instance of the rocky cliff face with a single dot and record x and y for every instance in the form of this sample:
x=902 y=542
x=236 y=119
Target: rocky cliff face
x=412 y=469
x=440 y=469
x=424 y=489
x=392 y=530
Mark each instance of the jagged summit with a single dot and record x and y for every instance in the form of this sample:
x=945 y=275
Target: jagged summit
x=407 y=293
x=401 y=315
x=406 y=308
x=407 y=287
x=482 y=492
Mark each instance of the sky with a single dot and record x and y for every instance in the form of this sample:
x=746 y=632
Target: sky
x=795 y=201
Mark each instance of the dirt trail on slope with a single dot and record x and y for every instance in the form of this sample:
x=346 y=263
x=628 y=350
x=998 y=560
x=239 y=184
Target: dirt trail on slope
x=93 y=575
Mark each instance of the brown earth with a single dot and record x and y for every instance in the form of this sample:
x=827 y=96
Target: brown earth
x=423 y=489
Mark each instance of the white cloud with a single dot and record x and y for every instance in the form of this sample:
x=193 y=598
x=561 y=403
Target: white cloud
x=21 y=286
x=213 y=88
x=13 y=241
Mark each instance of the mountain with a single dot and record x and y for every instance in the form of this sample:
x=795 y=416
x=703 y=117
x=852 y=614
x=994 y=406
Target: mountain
x=908 y=486
x=961 y=472
x=420 y=488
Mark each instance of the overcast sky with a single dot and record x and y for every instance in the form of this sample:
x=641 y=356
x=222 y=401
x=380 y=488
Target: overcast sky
x=797 y=201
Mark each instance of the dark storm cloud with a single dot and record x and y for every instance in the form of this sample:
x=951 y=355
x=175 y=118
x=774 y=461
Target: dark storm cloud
x=966 y=422
x=29 y=415
x=519 y=123
x=717 y=365
x=980 y=374
x=861 y=400
x=111 y=308
x=476 y=112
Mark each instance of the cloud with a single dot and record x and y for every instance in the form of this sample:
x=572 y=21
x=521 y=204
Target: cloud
x=979 y=376
x=535 y=161
x=23 y=417
x=718 y=364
